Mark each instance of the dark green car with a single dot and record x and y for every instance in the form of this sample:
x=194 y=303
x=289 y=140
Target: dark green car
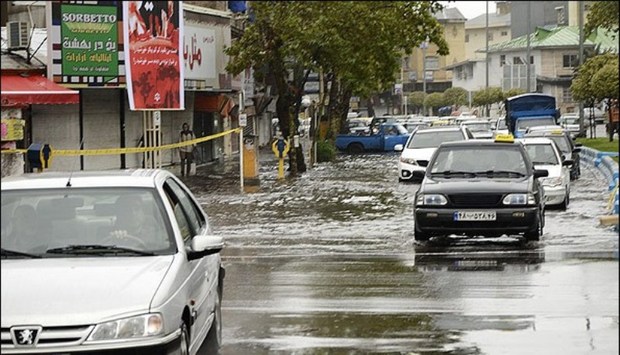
x=480 y=187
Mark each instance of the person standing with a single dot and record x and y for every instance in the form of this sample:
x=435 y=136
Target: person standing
x=187 y=151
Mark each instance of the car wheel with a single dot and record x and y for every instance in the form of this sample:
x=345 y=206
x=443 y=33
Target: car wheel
x=534 y=234
x=184 y=345
x=420 y=236
x=355 y=148
x=214 y=337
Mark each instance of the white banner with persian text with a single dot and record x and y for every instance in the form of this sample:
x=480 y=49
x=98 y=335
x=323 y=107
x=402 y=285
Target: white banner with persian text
x=199 y=52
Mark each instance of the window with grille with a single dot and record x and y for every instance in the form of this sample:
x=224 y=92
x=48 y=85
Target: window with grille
x=567 y=95
x=570 y=60
x=432 y=63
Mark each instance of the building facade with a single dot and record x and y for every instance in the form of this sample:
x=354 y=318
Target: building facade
x=554 y=55
x=426 y=64
x=102 y=119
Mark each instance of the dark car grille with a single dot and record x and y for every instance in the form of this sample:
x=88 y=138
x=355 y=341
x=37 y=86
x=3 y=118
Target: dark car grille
x=422 y=162
x=475 y=200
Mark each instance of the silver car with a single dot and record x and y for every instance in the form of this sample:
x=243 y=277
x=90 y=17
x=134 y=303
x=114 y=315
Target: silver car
x=107 y=262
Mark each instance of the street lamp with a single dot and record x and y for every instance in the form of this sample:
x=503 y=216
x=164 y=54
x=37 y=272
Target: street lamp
x=424 y=45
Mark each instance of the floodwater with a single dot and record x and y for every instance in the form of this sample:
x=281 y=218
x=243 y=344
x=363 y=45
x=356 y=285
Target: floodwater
x=326 y=264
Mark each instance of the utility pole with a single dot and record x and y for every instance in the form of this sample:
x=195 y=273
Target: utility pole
x=582 y=128
x=487 y=56
x=424 y=45
x=487 y=50
x=527 y=59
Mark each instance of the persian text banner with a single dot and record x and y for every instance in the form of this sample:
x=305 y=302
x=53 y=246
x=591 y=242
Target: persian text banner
x=153 y=34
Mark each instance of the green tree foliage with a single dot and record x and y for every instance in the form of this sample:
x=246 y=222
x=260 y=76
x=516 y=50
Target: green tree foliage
x=488 y=96
x=358 y=45
x=603 y=14
x=416 y=100
x=607 y=81
x=593 y=82
x=435 y=101
x=456 y=96
x=514 y=92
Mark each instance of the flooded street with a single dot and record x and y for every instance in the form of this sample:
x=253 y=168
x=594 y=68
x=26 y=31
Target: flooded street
x=327 y=264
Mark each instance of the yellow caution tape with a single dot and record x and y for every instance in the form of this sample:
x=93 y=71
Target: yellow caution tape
x=114 y=151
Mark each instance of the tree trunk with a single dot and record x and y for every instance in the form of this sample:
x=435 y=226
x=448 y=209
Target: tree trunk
x=370 y=107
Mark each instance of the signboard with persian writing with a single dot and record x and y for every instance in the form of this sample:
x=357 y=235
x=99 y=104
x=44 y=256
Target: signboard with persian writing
x=153 y=33
x=87 y=46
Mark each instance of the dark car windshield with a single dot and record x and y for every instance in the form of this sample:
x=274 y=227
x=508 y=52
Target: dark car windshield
x=480 y=160
x=36 y=221
x=429 y=139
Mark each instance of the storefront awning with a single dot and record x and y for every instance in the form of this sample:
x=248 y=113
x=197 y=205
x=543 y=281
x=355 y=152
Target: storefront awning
x=19 y=91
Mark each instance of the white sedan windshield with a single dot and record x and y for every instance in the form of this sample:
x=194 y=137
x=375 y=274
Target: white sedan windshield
x=426 y=139
x=35 y=221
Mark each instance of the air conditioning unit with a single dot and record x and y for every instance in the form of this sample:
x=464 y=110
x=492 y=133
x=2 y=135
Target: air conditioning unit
x=17 y=35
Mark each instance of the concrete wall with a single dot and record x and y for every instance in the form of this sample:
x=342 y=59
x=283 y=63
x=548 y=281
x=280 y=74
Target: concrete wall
x=476 y=39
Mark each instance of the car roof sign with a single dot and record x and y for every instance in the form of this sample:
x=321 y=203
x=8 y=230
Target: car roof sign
x=504 y=138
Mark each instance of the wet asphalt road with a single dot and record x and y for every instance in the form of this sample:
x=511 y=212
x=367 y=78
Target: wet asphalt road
x=327 y=264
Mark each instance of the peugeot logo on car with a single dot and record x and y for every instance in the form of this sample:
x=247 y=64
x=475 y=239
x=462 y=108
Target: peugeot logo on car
x=25 y=336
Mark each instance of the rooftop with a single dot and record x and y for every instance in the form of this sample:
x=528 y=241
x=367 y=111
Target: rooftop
x=495 y=20
x=557 y=37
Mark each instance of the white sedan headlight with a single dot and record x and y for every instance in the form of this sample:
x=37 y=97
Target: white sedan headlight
x=519 y=199
x=431 y=200
x=552 y=181
x=135 y=327
x=408 y=161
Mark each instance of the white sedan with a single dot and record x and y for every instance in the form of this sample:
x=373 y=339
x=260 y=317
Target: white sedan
x=420 y=147
x=108 y=262
x=545 y=154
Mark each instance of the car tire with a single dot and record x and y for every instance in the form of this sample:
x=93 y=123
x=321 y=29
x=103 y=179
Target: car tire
x=564 y=204
x=184 y=340
x=214 y=337
x=535 y=233
x=420 y=236
x=355 y=148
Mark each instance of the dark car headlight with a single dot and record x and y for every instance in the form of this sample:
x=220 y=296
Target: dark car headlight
x=519 y=199
x=431 y=200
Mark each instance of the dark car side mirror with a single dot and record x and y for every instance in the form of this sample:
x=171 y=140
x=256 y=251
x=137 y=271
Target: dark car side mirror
x=567 y=162
x=578 y=144
x=576 y=150
x=538 y=173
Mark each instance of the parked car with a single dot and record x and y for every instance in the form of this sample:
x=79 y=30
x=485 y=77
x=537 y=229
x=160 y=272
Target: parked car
x=117 y=261
x=421 y=145
x=546 y=155
x=569 y=148
x=383 y=138
x=598 y=114
x=480 y=187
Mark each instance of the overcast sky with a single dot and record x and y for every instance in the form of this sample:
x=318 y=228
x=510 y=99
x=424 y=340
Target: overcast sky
x=471 y=9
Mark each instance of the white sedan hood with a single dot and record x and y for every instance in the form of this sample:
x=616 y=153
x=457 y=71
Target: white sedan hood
x=78 y=291
x=419 y=153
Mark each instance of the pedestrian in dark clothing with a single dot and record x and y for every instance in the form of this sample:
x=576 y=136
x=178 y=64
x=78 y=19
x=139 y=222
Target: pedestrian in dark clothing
x=186 y=152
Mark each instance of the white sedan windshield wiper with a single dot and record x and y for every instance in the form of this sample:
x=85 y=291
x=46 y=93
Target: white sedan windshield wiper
x=7 y=253
x=91 y=249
